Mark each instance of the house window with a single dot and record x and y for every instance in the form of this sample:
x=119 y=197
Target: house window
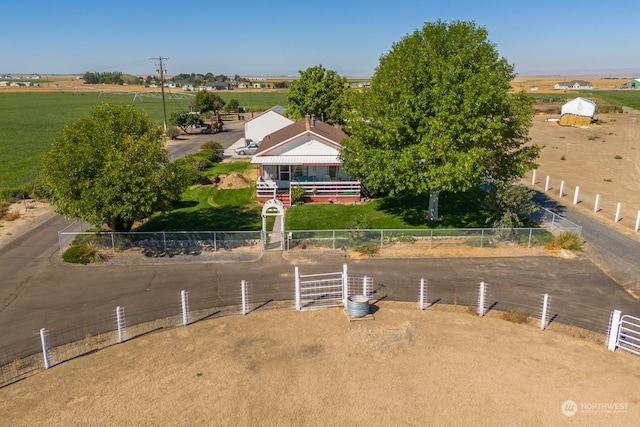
x=269 y=172
x=333 y=172
x=299 y=171
x=285 y=173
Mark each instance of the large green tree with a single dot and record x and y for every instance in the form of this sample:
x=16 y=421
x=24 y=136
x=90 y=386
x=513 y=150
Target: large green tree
x=439 y=116
x=319 y=92
x=110 y=167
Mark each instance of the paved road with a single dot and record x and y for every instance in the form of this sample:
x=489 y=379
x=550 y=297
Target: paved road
x=37 y=290
x=615 y=253
x=187 y=144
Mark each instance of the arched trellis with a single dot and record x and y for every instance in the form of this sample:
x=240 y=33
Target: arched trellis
x=273 y=207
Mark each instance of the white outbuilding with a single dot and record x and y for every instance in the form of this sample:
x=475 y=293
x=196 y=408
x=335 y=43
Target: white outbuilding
x=578 y=112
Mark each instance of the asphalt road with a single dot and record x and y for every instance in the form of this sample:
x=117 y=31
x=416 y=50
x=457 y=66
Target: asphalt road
x=38 y=291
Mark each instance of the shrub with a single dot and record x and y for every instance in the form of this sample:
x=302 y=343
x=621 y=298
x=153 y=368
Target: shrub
x=297 y=194
x=173 y=132
x=515 y=316
x=4 y=208
x=566 y=240
x=370 y=249
x=83 y=254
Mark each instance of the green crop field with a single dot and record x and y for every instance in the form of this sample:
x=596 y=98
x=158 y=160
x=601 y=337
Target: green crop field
x=29 y=121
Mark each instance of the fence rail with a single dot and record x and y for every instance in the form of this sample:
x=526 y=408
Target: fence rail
x=49 y=347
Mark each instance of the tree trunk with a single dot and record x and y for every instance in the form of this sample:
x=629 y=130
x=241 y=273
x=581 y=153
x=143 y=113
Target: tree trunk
x=433 y=205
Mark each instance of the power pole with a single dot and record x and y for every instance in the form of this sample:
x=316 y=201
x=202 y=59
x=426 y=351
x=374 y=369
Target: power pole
x=161 y=70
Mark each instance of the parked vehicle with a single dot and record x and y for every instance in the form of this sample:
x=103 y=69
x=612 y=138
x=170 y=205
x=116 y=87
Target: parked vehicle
x=247 y=149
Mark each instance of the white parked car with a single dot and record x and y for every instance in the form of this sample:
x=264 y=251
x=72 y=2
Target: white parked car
x=248 y=149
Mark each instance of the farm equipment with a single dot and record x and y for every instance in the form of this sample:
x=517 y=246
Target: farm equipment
x=216 y=123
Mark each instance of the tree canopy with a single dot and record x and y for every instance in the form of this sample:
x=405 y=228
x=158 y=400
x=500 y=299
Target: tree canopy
x=319 y=92
x=439 y=115
x=110 y=167
x=206 y=101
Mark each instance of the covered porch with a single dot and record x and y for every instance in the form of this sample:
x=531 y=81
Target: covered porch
x=322 y=183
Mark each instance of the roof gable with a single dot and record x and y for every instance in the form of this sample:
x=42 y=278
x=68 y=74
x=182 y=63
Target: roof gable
x=297 y=131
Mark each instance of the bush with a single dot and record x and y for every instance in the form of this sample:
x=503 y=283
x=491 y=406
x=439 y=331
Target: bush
x=566 y=240
x=83 y=254
x=173 y=132
x=297 y=194
x=371 y=249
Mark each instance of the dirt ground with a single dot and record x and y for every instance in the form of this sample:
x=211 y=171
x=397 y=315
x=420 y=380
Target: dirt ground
x=282 y=367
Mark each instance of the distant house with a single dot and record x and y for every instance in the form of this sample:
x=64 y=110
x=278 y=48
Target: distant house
x=574 y=85
x=305 y=154
x=632 y=84
x=265 y=123
x=218 y=86
x=257 y=86
x=242 y=85
x=534 y=88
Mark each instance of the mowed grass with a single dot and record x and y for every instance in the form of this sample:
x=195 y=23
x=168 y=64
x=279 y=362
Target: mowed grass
x=30 y=120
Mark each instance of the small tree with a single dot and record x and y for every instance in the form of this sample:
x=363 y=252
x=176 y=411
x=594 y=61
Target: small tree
x=233 y=106
x=206 y=101
x=509 y=203
x=319 y=92
x=110 y=167
x=185 y=119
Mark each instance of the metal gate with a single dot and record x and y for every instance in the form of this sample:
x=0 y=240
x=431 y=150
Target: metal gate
x=314 y=291
x=629 y=334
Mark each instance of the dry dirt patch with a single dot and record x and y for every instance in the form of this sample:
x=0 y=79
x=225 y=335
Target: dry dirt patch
x=283 y=367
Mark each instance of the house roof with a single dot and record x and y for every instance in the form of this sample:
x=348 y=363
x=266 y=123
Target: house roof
x=300 y=128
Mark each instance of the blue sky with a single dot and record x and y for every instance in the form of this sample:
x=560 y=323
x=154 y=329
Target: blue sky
x=282 y=37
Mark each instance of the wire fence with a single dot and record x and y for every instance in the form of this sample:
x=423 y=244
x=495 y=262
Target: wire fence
x=162 y=244
x=107 y=327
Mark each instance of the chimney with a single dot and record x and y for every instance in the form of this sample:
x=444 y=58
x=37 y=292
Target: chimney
x=313 y=121
x=306 y=122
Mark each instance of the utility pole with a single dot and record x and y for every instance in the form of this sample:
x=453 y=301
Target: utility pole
x=161 y=70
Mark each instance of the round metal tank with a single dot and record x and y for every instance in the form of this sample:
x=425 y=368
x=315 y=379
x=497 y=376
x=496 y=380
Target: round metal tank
x=357 y=305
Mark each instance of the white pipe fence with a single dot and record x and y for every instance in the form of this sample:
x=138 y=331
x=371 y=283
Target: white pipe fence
x=616 y=214
x=322 y=290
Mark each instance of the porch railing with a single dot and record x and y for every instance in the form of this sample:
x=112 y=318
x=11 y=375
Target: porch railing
x=329 y=188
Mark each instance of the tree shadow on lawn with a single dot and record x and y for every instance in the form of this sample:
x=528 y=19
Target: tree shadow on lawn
x=457 y=210
x=223 y=218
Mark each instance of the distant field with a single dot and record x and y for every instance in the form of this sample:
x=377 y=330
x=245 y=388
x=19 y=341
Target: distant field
x=30 y=119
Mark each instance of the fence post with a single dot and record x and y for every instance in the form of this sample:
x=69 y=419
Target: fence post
x=365 y=280
x=44 y=339
x=618 y=211
x=545 y=311
x=595 y=208
x=482 y=293
x=423 y=294
x=164 y=241
x=431 y=240
x=334 y=238
x=561 y=188
x=184 y=298
x=381 y=239
x=297 y=282
x=614 y=330
x=120 y=322
x=243 y=287
x=638 y=222
x=530 y=236
x=546 y=184
x=345 y=285
x=215 y=241
x=533 y=178
x=482 y=239
x=113 y=242
x=576 y=195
